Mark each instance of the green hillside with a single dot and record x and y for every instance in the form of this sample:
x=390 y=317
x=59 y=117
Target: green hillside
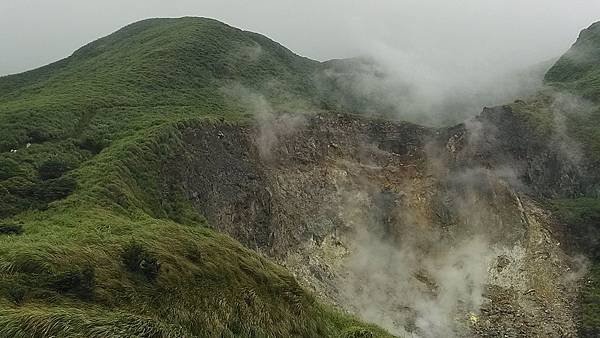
x=573 y=91
x=151 y=73
x=578 y=72
x=179 y=66
x=579 y=69
x=90 y=244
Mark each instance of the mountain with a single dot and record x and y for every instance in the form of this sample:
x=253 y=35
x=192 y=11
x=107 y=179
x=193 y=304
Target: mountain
x=168 y=63
x=92 y=243
x=182 y=177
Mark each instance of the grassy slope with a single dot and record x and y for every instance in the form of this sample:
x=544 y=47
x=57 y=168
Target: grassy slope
x=160 y=63
x=83 y=228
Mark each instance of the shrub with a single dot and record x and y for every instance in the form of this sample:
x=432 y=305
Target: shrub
x=9 y=203
x=55 y=189
x=10 y=229
x=590 y=303
x=34 y=279
x=38 y=136
x=20 y=186
x=16 y=294
x=8 y=168
x=91 y=144
x=137 y=259
x=19 y=193
x=53 y=169
x=79 y=282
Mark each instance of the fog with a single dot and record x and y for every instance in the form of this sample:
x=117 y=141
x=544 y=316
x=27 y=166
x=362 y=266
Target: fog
x=420 y=275
x=469 y=35
x=449 y=59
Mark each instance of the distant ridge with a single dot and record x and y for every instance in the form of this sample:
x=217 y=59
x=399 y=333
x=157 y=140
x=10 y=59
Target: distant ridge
x=578 y=69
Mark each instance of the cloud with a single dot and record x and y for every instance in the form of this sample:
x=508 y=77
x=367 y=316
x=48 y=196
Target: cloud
x=417 y=282
x=271 y=121
x=503 y=33
x=444 y=60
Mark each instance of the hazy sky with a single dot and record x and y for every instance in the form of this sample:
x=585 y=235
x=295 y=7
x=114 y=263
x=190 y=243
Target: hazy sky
x=497 y=32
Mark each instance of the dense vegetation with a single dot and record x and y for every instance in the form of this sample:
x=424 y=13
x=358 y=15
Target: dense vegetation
x=90 y=244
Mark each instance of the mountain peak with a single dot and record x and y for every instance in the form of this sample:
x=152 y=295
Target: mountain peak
x=162 y=61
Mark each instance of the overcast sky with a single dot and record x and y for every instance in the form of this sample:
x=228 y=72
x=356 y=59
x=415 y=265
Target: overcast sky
x=505 y=33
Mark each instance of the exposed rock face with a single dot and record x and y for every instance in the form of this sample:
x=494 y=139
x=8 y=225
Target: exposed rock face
x=496 y=139
x=272 y=201
x=435 y=232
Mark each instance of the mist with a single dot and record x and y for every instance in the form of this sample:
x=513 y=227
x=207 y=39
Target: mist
x=434 y=62
x=443 y=60
x=271 y=124
x=469 y=36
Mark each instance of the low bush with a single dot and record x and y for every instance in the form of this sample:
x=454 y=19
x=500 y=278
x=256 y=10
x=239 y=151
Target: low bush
x=8 y=168
x=32 y=281
x=38 y=136
x=590 y=303
x=138 y=260
x=10 y=229
x=55 y=189
x=20 y=186
x=78 y=281
x=53 y=169
x=16 y=294
x=18 y=194
x=91 y=144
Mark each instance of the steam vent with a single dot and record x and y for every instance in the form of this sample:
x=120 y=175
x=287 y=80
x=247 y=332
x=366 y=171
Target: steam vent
x=185 y=178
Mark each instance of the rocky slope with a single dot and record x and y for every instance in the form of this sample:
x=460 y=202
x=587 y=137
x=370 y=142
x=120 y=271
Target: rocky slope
x=395 y=221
